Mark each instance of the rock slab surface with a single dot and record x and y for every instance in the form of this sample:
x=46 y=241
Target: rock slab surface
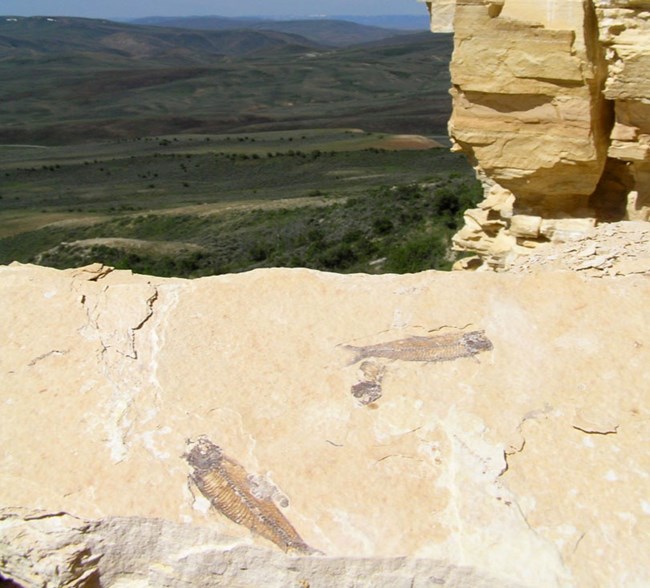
x=370 y=411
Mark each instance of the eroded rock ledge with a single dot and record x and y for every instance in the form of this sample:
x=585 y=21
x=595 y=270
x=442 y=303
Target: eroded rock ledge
x=58 y=550
x=552 y=105
x=439 y=429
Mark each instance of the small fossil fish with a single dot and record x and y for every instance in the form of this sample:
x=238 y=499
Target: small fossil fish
x=436 y=348
x=226 y=484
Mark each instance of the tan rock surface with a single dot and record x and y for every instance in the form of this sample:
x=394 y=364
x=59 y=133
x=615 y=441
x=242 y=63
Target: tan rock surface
x=612 y=249
x=551 y=104
x=520 y=465
x=442 y=15
x=625 y=36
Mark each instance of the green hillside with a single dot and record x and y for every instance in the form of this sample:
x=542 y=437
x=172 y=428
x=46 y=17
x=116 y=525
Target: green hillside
x=68 y=80
x=196 y=152
x=190 y=205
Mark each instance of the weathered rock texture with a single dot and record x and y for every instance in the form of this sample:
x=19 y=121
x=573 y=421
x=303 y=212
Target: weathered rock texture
x=610 y=249
x=442 y=15
x=625 y=35
x=522 y=462
x=552 y=104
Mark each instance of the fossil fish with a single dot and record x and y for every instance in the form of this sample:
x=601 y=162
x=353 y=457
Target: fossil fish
x=436 y=348
x=226 y=484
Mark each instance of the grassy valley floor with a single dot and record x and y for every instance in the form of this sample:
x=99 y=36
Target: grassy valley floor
x=191 y=205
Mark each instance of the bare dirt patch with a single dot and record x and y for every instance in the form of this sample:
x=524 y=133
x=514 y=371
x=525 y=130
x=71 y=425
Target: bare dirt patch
x=158 y=247
x=14 y=223
x=246 y=205
x=408 y=142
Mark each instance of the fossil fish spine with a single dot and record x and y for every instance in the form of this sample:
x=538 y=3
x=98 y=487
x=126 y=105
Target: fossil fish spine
x=225 y=483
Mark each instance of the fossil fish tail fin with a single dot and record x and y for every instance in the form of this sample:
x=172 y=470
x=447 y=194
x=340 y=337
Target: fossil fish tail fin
x=356 y=354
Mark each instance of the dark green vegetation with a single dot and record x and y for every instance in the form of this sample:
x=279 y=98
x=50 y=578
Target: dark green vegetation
x=197 y=205
x=77 y=80
x=189 y=153
x=386 y=230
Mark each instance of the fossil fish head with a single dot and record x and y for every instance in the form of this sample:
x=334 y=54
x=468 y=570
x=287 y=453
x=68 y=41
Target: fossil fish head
x=203 y=454
x=476 y=341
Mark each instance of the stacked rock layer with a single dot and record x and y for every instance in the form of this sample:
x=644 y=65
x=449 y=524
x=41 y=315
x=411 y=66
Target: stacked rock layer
x=552 y=105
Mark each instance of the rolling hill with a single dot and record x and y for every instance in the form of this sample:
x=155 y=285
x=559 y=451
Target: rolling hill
x=195 y=152
x=70 y=80
x=329 y=32
x=62 y=36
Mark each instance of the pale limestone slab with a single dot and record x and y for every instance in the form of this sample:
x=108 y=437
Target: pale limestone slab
x=485 y=462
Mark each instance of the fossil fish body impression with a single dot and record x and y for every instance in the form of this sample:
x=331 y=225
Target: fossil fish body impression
x=226 y=484
x=436 y=348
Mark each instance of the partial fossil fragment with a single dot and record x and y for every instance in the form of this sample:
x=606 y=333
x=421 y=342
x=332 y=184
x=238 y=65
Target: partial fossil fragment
x=367 y=392
x=436 y=348
x=369 y=389
x=226 y=484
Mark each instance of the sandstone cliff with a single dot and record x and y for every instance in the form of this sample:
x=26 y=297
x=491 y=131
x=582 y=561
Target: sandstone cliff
x=462 y=429
x=552 y=104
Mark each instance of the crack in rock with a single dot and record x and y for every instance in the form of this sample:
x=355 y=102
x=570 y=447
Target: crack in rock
x=116 y=313
x=54 y=352
x=150 y=304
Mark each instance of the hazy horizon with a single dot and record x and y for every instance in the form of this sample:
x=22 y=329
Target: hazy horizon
x=123 y=9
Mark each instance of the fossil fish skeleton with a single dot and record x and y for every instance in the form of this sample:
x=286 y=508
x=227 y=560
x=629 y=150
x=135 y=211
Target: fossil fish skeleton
x=436 y=348
x=226 y=484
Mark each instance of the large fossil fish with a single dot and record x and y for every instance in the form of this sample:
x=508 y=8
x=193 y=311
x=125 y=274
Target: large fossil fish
x=435 y=348
x=226 y=484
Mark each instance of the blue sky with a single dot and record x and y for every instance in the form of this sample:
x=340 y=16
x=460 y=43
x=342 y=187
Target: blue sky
x=139 y=8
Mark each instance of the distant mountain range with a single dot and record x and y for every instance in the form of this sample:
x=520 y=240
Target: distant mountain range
x=56 y=37
x=325 y=31
x=409 y=22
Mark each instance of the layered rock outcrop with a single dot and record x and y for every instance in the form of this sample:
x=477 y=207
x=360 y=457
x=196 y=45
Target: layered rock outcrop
x=439 y=429
x=551 y=103
x=625 y=35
